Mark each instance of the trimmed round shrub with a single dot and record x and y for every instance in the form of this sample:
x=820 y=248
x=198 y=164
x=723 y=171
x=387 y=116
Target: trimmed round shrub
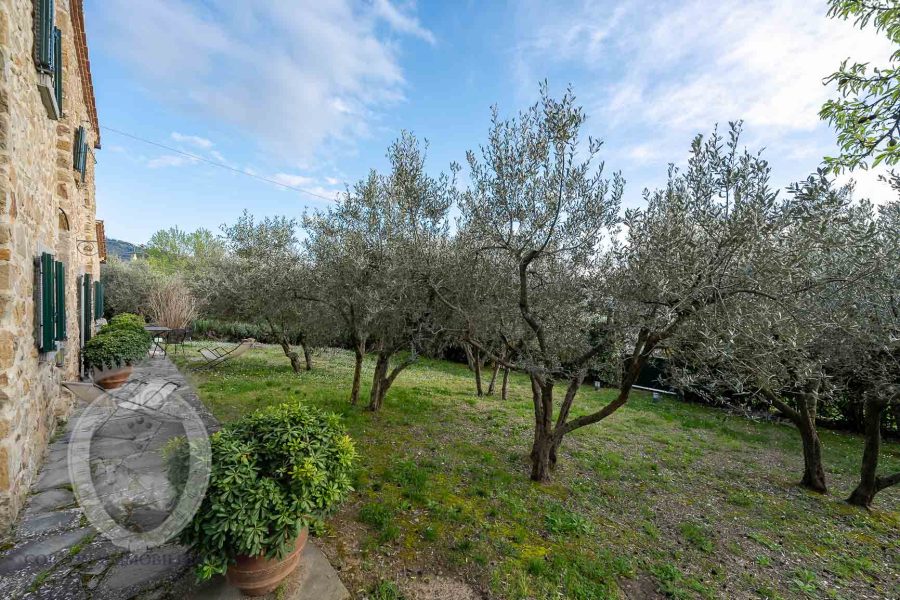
x=127 y=322
x=116 y=348
x=273 y=472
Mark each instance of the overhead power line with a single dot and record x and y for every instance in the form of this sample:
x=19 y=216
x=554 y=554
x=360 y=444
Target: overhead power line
x=215 y=163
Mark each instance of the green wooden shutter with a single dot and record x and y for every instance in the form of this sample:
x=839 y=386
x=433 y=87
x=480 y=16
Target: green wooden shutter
x=60 y=301
x=78 y=148
x=84 y=155
x=43 y=35
x=46 y=304
x=98 y=299
x=88 y=314
x=58 y=68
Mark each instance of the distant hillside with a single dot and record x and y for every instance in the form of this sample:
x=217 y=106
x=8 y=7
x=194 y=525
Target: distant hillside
x=121 y=249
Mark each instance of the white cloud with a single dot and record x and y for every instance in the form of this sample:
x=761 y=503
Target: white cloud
x=170 y=160
x=656 y=72
x=643 y=153
x=292 y=75
x=688 y=65
x=293 y=180
x=194 y=140
x=867 y=184
x=402 y=22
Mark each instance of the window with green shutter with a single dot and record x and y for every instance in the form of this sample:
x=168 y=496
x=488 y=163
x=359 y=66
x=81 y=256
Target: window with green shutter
x=87 y=313
x=61 y=333
x=58 y=68
x=98 y=299
x=43 y=35
x=45 y=311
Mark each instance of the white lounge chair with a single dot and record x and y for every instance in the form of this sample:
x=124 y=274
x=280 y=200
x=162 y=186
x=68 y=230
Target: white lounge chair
x=217 y=356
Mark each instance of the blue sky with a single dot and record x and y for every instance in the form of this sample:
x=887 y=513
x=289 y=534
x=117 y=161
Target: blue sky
x=311 y=92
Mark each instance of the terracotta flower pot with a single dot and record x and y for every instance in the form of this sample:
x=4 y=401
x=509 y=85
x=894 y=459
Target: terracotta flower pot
x=257 y=576
x=110 y=380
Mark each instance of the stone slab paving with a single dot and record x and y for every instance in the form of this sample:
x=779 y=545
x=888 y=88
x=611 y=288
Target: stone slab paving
x=53 y=551
x=314 y=579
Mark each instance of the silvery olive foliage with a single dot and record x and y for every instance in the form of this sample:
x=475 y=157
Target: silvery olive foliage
x=372 y=253
x=773 y=345
x=261 y=278
x=128 y=285
x=864 y=352
x=534 y=220
x=758 y=298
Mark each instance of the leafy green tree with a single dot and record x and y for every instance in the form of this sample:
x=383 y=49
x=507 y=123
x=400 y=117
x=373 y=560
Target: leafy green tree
x=866 y=114
x=174 y=250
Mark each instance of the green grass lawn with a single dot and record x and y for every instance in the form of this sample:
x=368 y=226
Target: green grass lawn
x=661 y=499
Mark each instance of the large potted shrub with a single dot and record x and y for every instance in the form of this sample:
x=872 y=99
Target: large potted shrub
x=111 y=353
x=273 y=472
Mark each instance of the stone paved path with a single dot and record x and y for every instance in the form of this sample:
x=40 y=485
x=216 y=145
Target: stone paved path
x=55 y=553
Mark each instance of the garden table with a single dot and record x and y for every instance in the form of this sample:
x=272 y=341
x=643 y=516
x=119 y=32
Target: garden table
x=153 y=330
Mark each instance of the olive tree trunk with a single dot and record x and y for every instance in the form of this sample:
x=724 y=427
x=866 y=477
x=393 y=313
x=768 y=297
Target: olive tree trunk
x=285 y=343
x=504 y=389
x=494 y=369
x=479 y=361
x=869 y=481
x=290 y=353
x=307 y=353
x=382 y=379
x=804 y=418
x=359 y=351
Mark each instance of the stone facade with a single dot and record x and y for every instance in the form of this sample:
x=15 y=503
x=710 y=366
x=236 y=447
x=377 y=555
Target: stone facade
x=44 y=207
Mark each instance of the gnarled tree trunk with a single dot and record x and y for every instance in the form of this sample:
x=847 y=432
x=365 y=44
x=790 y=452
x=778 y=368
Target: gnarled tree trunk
x=869 y=481
x=359 y=351
x=544 y=439
x=479 y=391
x=290 y=353
x=804 y=418
x=285 y=343
x=307 y=354
x=504 y=389
x=379 y=381
x=492 y=384
x=813 y=472
x=382 y=380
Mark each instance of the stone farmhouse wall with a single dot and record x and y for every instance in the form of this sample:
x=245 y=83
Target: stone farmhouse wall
x=44 y=207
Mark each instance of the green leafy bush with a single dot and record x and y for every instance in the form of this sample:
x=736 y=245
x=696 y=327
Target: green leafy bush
x=116 y=348
x=273 y=472
x=125 y=322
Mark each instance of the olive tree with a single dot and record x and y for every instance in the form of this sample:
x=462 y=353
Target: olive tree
x=261 y=279
x=705 y=240
x=128 y=286
x=475 y=292
x=538 y=209
x=372 y=253
x=774 y=345
x=865 y=353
